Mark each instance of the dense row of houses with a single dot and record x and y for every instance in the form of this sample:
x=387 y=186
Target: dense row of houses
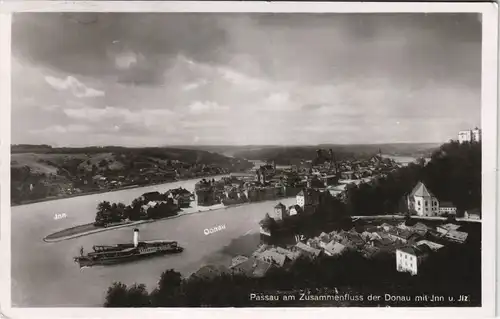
x=176 y=197
x=268 y=182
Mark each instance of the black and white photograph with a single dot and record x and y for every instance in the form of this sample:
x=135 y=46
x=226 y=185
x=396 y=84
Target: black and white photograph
x=250 y=159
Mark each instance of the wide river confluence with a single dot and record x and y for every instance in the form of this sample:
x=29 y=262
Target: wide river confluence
x=44 y=274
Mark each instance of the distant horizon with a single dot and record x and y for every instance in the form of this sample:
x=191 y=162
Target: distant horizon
x=225 y=145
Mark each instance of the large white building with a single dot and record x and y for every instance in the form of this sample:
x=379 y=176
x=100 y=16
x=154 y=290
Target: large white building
x=469 y=135
x=422 y=201
x=409 y=258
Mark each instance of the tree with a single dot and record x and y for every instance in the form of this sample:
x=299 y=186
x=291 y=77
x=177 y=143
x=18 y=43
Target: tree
x=138 y=296
x=104 y=214
x=116 y=295
x=103 y=163
x=133 y=212
x=119 y=296
x=168 y=290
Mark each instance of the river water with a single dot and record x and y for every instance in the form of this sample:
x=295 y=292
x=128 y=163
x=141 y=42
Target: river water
x=44 y=274
x=404 y=160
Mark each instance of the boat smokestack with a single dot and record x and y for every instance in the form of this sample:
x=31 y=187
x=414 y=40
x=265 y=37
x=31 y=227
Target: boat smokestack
x=136 y=237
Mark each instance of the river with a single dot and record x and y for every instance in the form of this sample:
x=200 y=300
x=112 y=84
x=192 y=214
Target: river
x=44 y=274
x=404 y=160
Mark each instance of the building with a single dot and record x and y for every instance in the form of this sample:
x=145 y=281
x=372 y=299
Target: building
x=422 y=201
x=420 y=228
x=432 y=245
x=288 y=253
x=443 y=229
x=273 y=257
x=450 y=232
x=307 y=197
x=294 y=210
x=409 y=258
x=252 y=267
x=333 y=248
x=464 y=136
x=280 y=212
x=370 y=251
x=402 y=235
x=473 y=214
x=329 y=180
x=456 y=236
x=348 y=175
x=238 y=260
x=469 y=135
x=307 y=250
x=386 y=226
x=447 y=208
x=248 y=177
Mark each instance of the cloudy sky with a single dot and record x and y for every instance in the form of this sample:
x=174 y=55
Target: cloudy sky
x=175 y=78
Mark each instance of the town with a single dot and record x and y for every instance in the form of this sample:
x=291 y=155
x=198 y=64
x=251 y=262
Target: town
x=268 y=182
x=422 y=227
x=410 y=241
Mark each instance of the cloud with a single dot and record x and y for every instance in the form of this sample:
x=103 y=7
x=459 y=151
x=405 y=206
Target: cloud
x=194 y=85
x=199 y=107
x=51 y=108
x=245 y=78
x=60 y=129
x=76 y=87
x=241 y=79
x=142 y=117
x=125 y=60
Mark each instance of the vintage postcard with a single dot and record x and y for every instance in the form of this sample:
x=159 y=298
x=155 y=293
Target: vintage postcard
x=191 y=156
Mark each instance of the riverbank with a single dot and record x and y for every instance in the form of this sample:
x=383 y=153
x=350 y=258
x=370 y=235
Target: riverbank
x=108 y=190
x=84 y=230
x=89 y=229
x=401 y=217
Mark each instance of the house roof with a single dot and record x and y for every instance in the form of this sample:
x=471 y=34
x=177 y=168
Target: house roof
x=274 y=256
x=457 y=235
x=450 y=226
x=430 y=244
x=308 y=249
x=384 y=241
x=253 y=267
x=421 y=190
x=238 y=260
x=401 y=233
x=334 y=247
x=412 y=250
x=419 y=225
x=290 y=254
x=301 y=193
x=424 y=248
